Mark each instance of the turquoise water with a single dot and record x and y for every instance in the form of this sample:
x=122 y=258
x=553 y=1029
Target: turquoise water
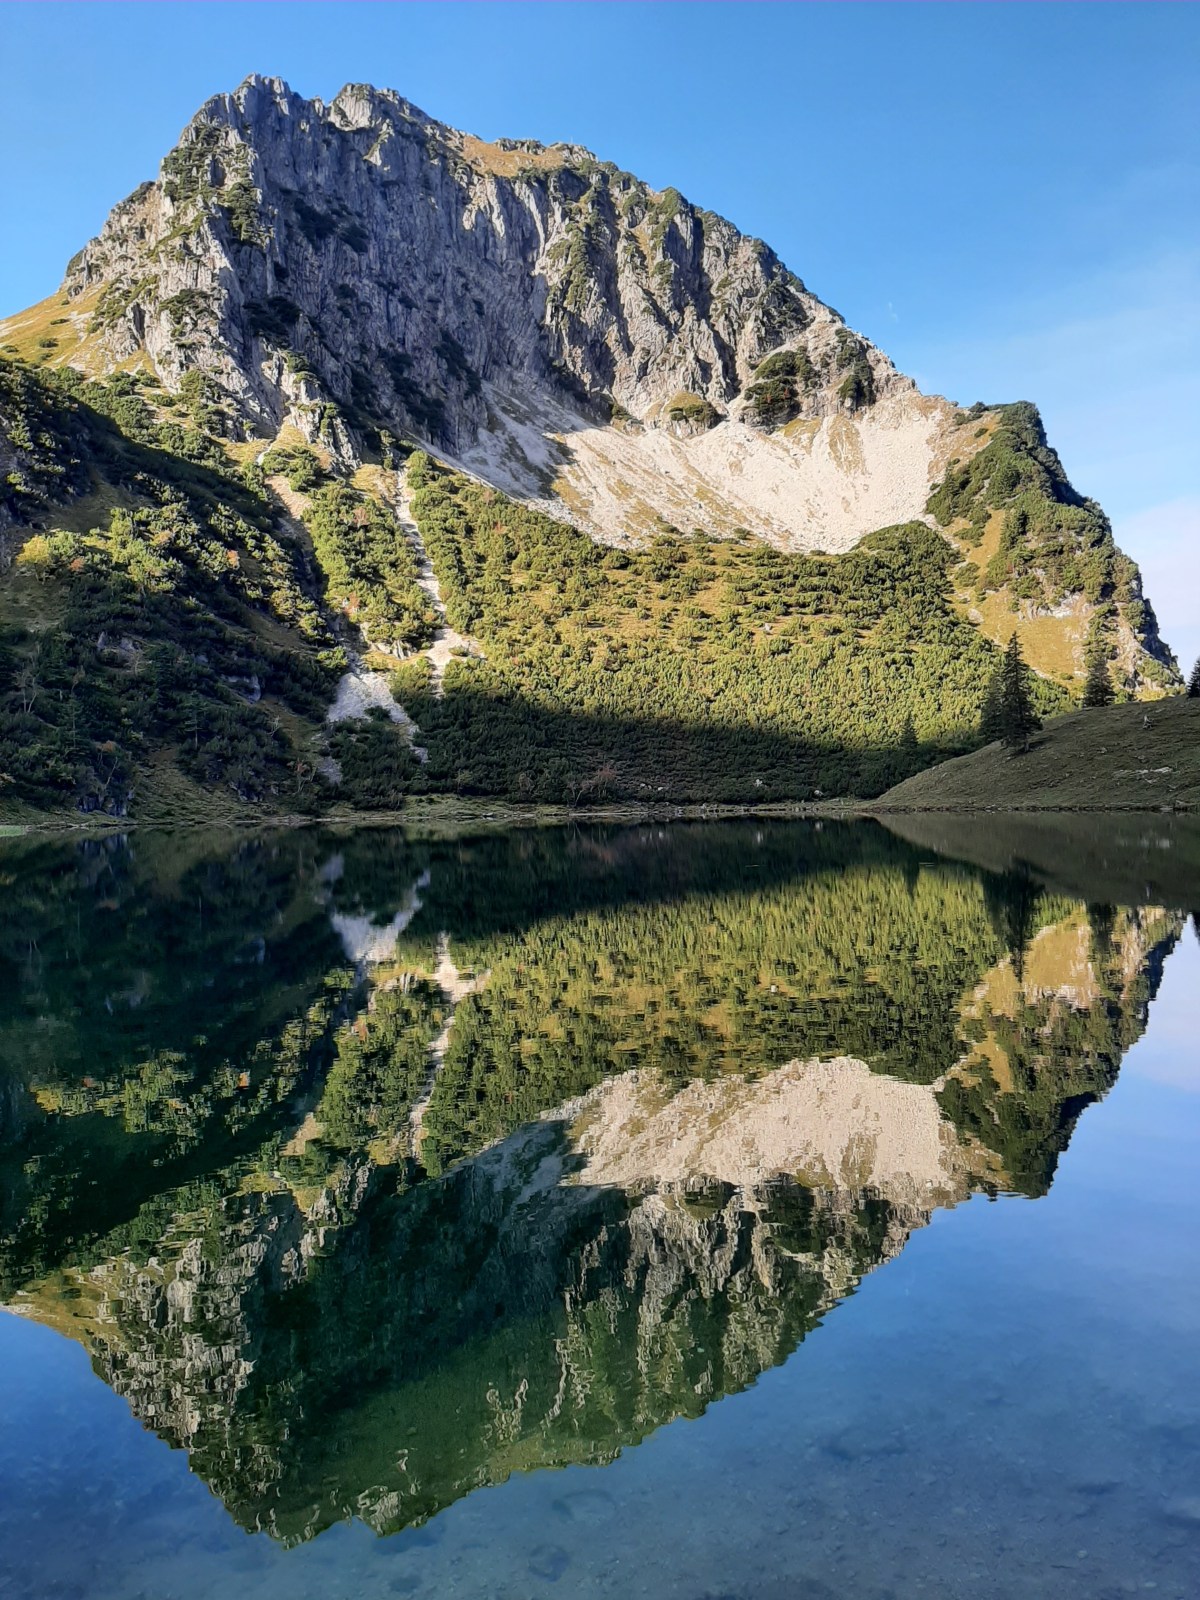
x=739 y=1211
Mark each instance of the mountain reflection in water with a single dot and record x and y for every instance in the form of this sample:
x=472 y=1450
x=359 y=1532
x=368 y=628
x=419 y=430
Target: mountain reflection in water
x=373 y=1169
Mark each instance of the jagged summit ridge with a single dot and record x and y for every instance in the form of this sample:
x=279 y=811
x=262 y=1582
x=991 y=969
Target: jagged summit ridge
x=360 y=266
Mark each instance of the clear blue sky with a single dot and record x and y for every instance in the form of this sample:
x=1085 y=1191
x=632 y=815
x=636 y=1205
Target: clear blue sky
x=1005 y=197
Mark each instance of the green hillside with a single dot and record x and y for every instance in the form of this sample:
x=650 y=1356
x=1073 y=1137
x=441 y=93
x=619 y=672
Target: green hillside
x=161 y=636
x=690 y=669
x=178 y=607
x=1141 y=757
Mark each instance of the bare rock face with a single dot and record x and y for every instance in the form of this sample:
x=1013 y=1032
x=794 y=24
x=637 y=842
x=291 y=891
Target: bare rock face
x=360 y=266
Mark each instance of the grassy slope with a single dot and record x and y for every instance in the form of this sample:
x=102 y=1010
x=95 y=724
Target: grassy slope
x=1140 y=757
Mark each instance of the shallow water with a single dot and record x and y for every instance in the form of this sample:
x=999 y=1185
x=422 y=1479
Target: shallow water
x=743 y=1210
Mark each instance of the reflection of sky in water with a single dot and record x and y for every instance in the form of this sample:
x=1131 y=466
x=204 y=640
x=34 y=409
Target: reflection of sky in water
x=1009 y=1408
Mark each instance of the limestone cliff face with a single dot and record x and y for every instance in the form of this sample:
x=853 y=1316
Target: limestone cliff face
x=409 y=263
x=554 y=324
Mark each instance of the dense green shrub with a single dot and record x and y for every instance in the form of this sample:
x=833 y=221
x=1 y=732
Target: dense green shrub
x=298 y=464
x=780 y=382
x=857 y=388
x=693 y=409
x=153 y=649
x=773 y=402
x=691 y=669
x=378 y=767
x=370 y=570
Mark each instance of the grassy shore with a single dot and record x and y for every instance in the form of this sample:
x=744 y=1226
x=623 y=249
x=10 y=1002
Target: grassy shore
x=1143 y=757
x=425 y=813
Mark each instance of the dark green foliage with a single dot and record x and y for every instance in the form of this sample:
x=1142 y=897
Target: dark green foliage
x=132 y=669
x=116 y=300
x=1016 y=458
x=207 y=169
x=1008 y=708
x=779 y=384
x=240 y=200
x=1098 y=689
x=201 y=397
x=193 y=986
x=773 y=402
x=298 y=464
x=662 y=213
x=788 y=364
x=189 y=169
x=36 y=423
x=152 y=651
x=1193 y=687
x=691 y=669
x=378 y=767
x=857 y=388
x=370 y=570
x=691 y=408
x=185 y=309
x=381 y=1065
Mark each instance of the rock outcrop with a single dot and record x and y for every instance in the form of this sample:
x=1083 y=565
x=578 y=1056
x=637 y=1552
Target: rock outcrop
x=396 y=254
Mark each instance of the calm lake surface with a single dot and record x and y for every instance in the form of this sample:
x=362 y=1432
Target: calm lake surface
x=711 y=1211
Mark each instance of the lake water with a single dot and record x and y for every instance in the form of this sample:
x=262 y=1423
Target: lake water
x=700 y=1211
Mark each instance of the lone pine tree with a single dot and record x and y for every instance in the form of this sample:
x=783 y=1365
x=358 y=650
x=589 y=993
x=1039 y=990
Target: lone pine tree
x=1193 y=687
x=1008 y=712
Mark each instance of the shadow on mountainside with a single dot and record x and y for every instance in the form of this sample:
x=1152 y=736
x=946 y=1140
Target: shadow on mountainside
x=509 y=746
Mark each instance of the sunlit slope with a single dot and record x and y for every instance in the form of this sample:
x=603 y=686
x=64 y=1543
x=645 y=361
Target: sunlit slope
x=1134 y=756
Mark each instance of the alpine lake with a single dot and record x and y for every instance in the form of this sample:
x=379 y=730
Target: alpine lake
x=740 y=1210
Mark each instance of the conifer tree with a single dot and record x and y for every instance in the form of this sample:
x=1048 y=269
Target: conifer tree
x=990 y=725
x=1193 y=688
x=1098 y=689
x=1008 y=712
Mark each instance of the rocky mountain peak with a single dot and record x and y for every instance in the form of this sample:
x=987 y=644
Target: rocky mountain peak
x=356 y=267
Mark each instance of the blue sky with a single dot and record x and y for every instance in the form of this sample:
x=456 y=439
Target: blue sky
x=1005 y=197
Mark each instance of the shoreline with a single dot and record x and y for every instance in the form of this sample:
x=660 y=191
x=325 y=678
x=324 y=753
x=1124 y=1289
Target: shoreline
x=448 y=811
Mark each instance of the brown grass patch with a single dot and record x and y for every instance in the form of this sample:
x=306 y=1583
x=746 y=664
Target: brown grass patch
x=58 y=318
x=501 y=163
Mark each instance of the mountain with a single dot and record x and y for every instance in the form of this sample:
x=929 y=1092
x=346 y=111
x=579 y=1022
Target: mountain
x=358 y=457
